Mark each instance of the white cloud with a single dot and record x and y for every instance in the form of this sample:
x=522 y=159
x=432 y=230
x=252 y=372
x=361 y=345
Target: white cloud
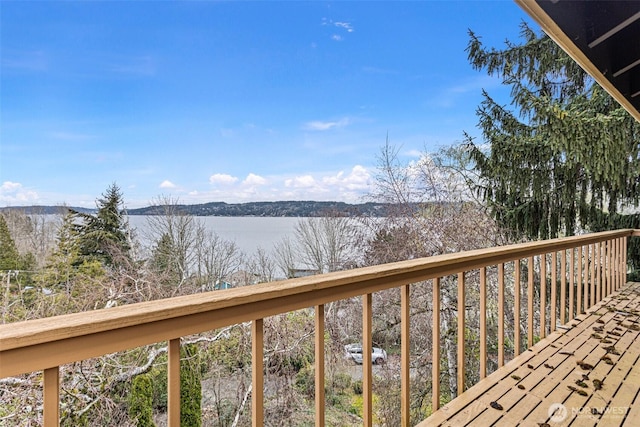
x=319 y=125
x=358 y=180
x=9 y=186
x=222 y=178
x=167 y=184
x=253 y=179
x=349 y=185
x=12 y=193
x=346 y=25
x=305 y=181
x=336 y=37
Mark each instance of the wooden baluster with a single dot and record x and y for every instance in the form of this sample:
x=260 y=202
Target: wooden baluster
x=461 y=332
x=483 y=322
x=367 y=376
x=610 y=265
x=624 y=259
x=500 y=315
x=563 y=287
x=543 y=295
x=435 y=352
x=585 y=281
x=616 y=259
x=605 y=267
x=620 y=266
x=572 y=282
x=257 y=373
x=554 y=291
x=319 y=368
x=405 y=327
x=516 y=308
x=601 y=293
x=530 y=304
x=51 y=394
x=173 y=382
x=579 y=282
x=592 y=275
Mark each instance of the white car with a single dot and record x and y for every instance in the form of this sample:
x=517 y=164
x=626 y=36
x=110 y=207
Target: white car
x=354 y=352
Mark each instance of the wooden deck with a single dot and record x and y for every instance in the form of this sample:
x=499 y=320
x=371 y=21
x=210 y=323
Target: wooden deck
x=585 y=374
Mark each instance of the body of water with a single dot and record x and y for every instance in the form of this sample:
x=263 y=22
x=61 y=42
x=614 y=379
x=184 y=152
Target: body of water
x=248 y=232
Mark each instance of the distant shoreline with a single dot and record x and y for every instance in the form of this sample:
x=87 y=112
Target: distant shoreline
x=248 y=209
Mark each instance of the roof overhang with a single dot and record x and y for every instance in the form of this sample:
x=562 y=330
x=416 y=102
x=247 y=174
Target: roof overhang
x=602 y=36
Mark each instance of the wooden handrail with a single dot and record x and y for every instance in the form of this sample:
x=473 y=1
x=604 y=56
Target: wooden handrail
x=45 y=344
x=350 y=282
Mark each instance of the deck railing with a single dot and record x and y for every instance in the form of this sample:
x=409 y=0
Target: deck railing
x=590 y=268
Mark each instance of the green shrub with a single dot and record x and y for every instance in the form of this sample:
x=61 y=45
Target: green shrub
x=190 y=387
x=231 y=352
x=141 y=401
x=341 y=382
x=306 y=381
x=357 y=387
x=159 y=382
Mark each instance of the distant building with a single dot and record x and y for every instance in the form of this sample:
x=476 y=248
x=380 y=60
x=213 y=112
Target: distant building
x=301 y=272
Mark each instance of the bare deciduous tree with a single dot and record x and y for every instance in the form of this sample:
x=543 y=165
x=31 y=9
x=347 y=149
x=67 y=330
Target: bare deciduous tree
x=215 y=259
x=326 y=243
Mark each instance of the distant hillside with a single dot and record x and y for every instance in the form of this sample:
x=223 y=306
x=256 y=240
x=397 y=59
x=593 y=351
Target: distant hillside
x=268 y=209
x=46 y=210
x=272 y=209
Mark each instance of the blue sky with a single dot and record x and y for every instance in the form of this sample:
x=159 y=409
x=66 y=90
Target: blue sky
x=231 y=101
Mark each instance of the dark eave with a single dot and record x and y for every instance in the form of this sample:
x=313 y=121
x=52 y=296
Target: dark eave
x=602 y=36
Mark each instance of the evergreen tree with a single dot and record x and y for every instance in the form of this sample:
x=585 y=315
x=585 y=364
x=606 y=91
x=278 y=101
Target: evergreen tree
x=9 y=256
x=164 y=261
x=105 y=235
x=140 y=401
x=61 y=265
x=564 y=154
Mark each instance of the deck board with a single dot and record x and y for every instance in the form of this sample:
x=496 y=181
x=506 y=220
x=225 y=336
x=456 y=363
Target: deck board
x=549 y=370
